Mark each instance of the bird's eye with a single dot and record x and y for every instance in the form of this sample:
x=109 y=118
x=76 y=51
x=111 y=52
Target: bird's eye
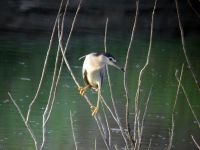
x=110 y=58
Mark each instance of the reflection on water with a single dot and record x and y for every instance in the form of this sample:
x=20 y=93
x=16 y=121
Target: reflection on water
x=21 y=60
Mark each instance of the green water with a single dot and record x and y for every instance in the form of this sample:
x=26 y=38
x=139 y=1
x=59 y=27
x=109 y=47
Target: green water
x=21 y=61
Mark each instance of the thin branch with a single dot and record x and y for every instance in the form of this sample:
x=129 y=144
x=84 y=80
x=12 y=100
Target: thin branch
x=72 y=126
x=105 y=36
x=71 y=72
x=99 y=123
x=142 y=71
x=68 y=39
x=44 y=115
x=107 y=124
x=116 y=148
x=52 y=93
x=24 y=120
x=109 y=134
x=195 y=11
x=145 y=110
x=44 y=66
x=188 y=101
x=179 y=84
x=109 y=109
x=184 y=47
x=101 y=127
x=171 y=134
x=116 y=120
x=111 y=92
x=125 y=74
x=195 y=142
x=95 y=144
x=86 y=98
x=137 y=145
x=143 y=118
x=149 y=144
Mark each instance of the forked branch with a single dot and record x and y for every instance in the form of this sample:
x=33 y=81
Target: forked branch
x=188 y=101
x=115 y=114
x=24 y=121
x=125 y=74
x=45 y=64
x=141 y=74
x=184 y=47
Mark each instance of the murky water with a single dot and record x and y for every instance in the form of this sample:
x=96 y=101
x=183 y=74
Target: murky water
x=21 y=61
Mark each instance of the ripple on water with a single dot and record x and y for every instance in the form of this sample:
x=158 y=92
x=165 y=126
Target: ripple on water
x=25 y=79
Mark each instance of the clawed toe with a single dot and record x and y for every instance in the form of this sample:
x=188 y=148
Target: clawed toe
x=94 y=110
x=81 y=90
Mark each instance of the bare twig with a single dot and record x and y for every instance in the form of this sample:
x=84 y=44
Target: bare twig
x=44 y=66
x=195 y=11
x=143 y=118
x=69 y=37
x=60 y=36
x=116 y=120
x=179 y=83
x=142 y=71
x=86 y=98
x=109 y=109
x=171 y=134
x=195 y=142
x=184 y=47
x=107 y=124
x=102 y=130
x=125 y=74
x=111 y=92
x=45 y=119
x=149 y=144
x=188 y=101
x=95 y=144
x=105 y=36
x=116 y=147
x=72 y=126
x=49 y=105
x=99 y=123
x=137 y=143
x=70 y=70
x=25 y=123
x=52 y=93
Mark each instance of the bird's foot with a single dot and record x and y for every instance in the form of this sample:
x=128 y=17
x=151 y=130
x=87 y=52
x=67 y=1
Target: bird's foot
x=94 y=110
x=82 y=90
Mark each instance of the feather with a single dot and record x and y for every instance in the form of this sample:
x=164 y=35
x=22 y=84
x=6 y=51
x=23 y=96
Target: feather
x=82 y=57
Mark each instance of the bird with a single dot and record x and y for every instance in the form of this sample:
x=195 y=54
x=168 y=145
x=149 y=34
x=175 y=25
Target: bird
x=93 y=73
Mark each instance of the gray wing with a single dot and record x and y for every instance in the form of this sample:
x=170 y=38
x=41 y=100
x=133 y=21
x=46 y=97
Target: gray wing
x=84 y=74
x=102 y=75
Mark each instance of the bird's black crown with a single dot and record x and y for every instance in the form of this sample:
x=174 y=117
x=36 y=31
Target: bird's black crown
x=105 y=54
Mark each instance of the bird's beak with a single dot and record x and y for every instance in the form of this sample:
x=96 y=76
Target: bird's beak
x=117 y=66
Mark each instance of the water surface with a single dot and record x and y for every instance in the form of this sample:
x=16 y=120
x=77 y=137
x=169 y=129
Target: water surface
x=21 y=61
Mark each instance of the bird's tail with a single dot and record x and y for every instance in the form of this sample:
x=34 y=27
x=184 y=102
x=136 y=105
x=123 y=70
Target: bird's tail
x=82 y=57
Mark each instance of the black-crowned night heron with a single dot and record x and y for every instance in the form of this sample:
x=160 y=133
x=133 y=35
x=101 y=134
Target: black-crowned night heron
x=93 y=72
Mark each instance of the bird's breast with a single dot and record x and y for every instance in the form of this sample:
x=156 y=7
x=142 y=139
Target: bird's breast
x=93 y=77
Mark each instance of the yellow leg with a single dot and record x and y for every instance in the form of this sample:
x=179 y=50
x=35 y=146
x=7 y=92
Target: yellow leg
x=95 y=109
x=82 y=89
